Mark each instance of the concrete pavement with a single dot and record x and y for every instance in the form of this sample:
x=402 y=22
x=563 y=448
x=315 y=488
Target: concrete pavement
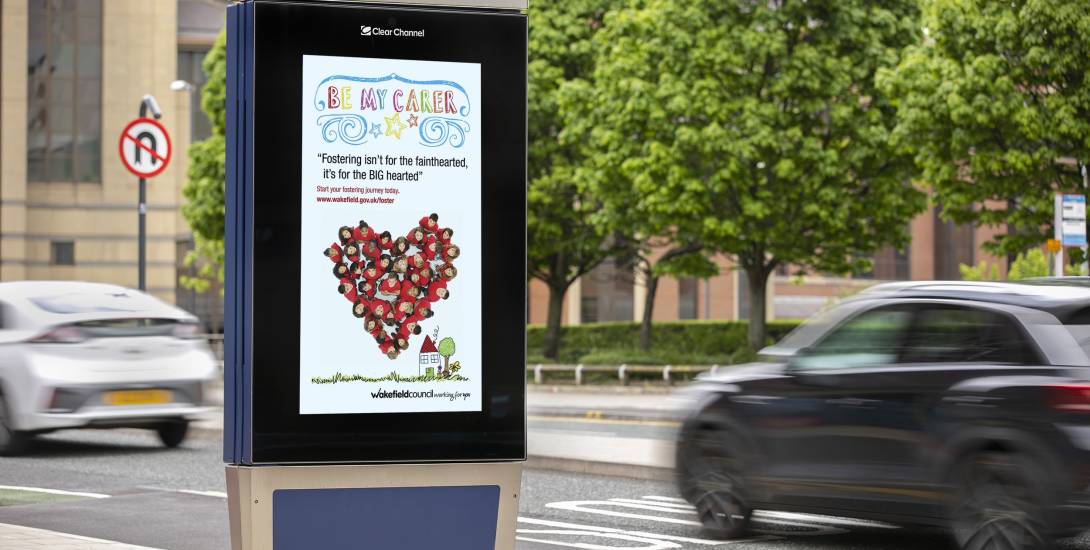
x=16 y=537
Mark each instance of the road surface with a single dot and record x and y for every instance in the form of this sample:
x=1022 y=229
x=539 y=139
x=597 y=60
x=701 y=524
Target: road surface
x=173 y=499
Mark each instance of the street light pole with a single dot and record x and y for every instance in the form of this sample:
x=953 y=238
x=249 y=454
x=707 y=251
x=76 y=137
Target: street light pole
x=148 y=102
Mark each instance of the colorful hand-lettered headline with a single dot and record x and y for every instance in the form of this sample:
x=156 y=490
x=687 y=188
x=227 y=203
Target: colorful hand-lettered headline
x=359 y=110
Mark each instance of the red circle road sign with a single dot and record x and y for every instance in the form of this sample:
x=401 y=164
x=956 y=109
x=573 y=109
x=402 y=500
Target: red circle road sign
x=144 y=147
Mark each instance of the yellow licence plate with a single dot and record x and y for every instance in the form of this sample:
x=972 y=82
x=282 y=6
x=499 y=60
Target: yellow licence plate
x=137 y=397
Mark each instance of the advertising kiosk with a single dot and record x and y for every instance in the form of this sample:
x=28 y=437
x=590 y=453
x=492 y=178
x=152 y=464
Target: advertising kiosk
x=375 y=274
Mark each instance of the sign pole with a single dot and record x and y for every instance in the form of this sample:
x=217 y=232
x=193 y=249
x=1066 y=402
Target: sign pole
x=146 y=103
x=142 y=252
x=1058 y=259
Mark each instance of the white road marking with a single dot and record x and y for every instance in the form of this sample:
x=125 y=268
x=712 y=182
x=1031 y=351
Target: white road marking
x=816 y=525
x=667 y=499
x=766 y=514
x=640 y=534
x=216 y=494
x=53 y=491
x=664 y=506
x=650 y=544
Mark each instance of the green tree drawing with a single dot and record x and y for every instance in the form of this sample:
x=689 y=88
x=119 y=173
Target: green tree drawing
x=446 y=349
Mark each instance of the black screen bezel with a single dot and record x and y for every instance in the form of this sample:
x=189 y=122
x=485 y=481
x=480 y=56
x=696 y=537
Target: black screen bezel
x=283 y=33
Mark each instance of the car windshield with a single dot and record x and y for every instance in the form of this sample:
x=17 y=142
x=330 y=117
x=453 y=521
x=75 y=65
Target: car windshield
x=119 y=301
x=808 y=332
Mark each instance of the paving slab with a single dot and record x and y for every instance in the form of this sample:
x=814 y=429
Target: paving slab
x=17 y=537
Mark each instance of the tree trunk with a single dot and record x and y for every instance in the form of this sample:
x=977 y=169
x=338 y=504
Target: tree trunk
x=648 y=310
x=446 y=363
x=758 y=282
x=552 y=324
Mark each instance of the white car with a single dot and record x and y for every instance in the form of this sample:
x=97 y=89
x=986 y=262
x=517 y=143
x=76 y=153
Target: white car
x=90 y=355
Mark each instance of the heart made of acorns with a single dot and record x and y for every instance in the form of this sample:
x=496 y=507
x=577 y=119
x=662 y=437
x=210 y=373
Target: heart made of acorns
x=394 y=283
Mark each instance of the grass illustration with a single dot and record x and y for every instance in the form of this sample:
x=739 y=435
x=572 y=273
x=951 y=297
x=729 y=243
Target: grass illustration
x=339 y=377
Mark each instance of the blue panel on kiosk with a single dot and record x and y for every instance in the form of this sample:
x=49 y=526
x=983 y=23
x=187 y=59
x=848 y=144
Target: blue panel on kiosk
x=406 y=518
x=238 y=303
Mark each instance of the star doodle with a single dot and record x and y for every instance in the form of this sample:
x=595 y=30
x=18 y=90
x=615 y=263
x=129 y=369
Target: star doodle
x=413 y=121
x=394 y=126
x=376 y=129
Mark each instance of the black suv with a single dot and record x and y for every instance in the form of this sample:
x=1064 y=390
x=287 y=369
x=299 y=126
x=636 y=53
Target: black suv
x=958 y=404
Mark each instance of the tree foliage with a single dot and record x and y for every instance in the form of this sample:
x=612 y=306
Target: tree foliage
x=204 y=209
x=563 y=241
x=1029 y=264
x=446 y=347
x=1026 y=265
x=995 y=107
x=759 y=122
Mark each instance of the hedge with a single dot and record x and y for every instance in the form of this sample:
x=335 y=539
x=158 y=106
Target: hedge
x=676 y=343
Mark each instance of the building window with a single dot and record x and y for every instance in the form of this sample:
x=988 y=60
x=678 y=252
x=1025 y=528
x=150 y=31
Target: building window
x=191 y=70
x=888 y=264
x=687 y=298
x=64 y=91
x=954 y=245
x=62 y=253
x=607 y=292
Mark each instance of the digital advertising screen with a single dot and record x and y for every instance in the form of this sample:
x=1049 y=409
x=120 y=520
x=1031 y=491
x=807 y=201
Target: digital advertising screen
x=376 y=270
x=390 y=258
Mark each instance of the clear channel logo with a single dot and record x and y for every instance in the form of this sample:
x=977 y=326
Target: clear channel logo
x=366 y=30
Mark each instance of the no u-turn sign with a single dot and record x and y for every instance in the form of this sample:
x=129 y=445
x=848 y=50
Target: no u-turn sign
x=144 y=147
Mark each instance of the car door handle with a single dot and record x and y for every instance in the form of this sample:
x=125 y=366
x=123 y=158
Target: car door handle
x=853 y=402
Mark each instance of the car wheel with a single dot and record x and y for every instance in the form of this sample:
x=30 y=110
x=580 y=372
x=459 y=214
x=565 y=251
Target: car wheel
x=12 y=442
x=173 y=434
x=710 y=477
x=998 y=504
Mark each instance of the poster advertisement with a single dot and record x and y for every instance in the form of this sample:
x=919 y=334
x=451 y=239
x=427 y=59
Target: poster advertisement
x=391 y=236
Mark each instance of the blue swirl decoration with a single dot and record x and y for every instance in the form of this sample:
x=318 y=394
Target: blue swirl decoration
x=351 y=129
x=319 y=101
x=437 y=130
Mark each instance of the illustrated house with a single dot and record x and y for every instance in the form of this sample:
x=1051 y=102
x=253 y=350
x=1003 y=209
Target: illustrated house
x=429 y=356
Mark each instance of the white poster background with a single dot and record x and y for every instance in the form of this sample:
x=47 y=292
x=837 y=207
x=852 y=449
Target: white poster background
x=331 y=339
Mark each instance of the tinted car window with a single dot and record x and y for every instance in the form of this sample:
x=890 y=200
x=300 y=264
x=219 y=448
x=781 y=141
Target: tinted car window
x=871 y=338
x=966 y=335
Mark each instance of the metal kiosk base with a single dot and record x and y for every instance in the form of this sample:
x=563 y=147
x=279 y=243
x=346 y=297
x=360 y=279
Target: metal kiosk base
x=380 y=507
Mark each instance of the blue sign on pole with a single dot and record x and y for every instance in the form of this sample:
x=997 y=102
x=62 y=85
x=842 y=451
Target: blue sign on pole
x=1073 y=223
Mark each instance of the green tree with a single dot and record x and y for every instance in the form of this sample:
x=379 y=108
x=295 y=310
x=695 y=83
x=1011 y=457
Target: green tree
x=757 y=121
x=995 y=107
x=563 y=242
x=204 y=191
x=446 y=349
